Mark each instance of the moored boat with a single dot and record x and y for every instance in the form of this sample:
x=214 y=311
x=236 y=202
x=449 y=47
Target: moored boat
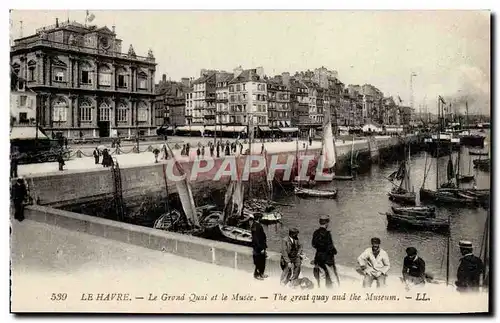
x=482 y=164
x=417 y=222
x=236 y=235
x=415 y=210
x=168 y=221
x=408 y=198
x=466 y=178
x=478 y=153
x=309 y=192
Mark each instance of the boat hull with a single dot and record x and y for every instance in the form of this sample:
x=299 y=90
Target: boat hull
x=405 y=198
x=415 y=211
x=395 y=221
x=235 y=235
x=472 y=140
x=305 y=192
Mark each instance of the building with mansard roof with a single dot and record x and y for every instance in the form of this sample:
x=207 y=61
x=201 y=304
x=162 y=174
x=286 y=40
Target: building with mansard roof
x=85 y=86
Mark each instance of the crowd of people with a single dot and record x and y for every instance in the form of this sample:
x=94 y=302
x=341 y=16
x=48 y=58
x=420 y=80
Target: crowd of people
x=374 y=263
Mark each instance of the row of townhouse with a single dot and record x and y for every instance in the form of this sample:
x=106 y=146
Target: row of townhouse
x=248 y=96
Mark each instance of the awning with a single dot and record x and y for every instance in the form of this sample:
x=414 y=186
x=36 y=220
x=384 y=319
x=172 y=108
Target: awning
x=234 y=129
x=343 y=128
x=211 y=128
x=190 y=128
x=265 y=128
x=292 y=129
x=25 y=133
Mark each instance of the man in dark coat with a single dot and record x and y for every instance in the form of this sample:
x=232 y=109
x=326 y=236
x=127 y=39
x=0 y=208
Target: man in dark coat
x=259 y=246
x=413 y=267
x=187 y=149
x=218 y=149
x=60 y=160
x=241 y=148
x=470 y=269
x=96 y=155
x=14 y=164
x=228 y=152
x=324 y=260
x=19 y=194
x=211 y=145
x=291 y=257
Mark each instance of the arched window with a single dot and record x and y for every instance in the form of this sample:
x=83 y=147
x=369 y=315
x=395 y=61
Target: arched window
x=122 y=112
x=31 y=70
x=59 y=110
x=142 y=112
x=104 y=75
x=86 y=73
x=122 y=77
x=142 y=80
x=85 y=111
x=104 y=112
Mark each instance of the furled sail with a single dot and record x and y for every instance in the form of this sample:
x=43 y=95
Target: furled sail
x=185 y=194
x=328 y=152
x=450 y=171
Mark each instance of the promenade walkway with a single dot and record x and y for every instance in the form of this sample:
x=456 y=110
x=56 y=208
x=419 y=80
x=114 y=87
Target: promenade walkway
x=47 y=259
x=147 y=158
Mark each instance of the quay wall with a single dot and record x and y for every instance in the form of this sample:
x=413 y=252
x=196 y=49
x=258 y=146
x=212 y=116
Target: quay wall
x=208 y=251
x=91 y=185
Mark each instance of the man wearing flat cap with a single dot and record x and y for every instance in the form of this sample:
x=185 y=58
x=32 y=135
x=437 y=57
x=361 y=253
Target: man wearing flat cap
x=324 y=260
x=413 y=267
x=470 y=269
x=259 y=246
x=291 y=257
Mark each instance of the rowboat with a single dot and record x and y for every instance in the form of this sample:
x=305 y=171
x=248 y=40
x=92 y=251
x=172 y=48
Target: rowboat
x=167 y=221
x=415 y=210
x=309 y=192
x=211 y=220
x=424 y=223
x=266 y=209
x=236 y=235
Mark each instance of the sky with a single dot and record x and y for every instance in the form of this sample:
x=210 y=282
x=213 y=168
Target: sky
x=449 y=51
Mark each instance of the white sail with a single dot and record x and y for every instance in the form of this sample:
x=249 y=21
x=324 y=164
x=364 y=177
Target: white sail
x=238 y=196
x=328 y=152
x=185 y=194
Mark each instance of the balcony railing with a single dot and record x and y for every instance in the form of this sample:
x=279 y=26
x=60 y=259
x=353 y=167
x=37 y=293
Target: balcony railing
x=80 y=49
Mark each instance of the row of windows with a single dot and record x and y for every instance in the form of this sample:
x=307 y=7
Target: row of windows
x=86 y=77
x=60 y=112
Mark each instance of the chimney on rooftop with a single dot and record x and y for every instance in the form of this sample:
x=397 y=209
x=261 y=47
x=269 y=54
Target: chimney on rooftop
x=57 y=22
x=164 y=77
x=286 y=78
x=113 y=29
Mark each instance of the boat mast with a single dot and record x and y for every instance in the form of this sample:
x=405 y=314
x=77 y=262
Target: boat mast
x=437 y=142
x=448 y=254
x=485 y=253
x=352 y=152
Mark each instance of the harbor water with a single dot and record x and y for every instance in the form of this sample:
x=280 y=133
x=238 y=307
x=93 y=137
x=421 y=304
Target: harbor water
x=355 y=215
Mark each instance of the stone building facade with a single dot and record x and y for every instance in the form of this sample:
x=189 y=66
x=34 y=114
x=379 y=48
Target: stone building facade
x=85 y=85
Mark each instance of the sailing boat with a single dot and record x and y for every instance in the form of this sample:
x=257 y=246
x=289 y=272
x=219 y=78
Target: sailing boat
x=267 y=209
x=404 y=193
x=351 y=167
x=171 y=220
x=327 y=160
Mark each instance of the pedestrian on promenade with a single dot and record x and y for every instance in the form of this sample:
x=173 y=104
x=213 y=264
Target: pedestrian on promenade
x=259 y=246
x=198 y=152
x=165 y=152
x=413 y=268
x=14 y=161
x=262 y=149
x=66 y=142
x=324 y=259
x=227 y=150
x=60 y=160
x=95 y=153
x=470 y=269
x=156 y=152
x=291 y=257
x=218 y=149
x=374 y=263
x=183 y=151
x=203 y=151
x=187 y=149
x=211 y=150
x=310 y=141
x=19 y=194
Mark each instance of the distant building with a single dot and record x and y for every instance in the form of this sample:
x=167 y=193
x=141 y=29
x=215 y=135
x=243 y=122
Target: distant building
x=22 y=103
x=170 y=103
x=85 y=85
x=278 y=97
